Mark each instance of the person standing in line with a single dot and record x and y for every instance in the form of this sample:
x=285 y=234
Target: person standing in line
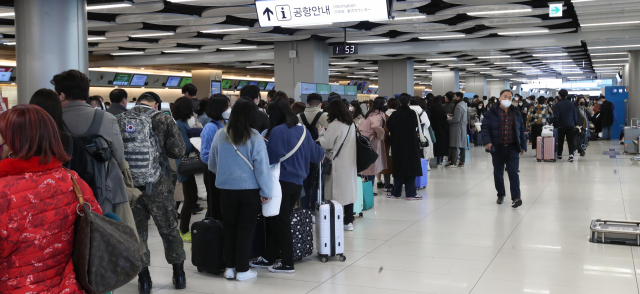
x=201 y=111
x=283 y=137
x=606 y=117
x=538 y=117
x=405 y=148
x=356 y=113
x=240 y=161
x=503 y=130
x=458 y=132
x=440 y=127
x=584 y=115
x=339 y=143
x=565 y=118
x=190 y=91
x=312 y=113
x=448 y=103
x=373 y=128
x=118 y=99
x=259 y=119
x=387 y=172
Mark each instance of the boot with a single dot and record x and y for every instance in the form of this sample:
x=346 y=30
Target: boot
x=144 y=281
x=179 y=278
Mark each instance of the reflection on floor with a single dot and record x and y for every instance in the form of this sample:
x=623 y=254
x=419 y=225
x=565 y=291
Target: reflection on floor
x=459 y=241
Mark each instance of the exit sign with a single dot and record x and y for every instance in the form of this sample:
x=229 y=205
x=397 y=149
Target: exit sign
x=555 y=10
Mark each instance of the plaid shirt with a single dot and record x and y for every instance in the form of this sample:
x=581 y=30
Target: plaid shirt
x=507 y=135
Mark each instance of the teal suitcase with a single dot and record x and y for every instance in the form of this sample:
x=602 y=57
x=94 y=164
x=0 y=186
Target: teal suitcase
x=367 y=191
x=359 y=205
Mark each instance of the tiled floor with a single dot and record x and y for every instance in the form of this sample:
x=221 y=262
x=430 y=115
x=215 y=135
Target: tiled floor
x=459 y=241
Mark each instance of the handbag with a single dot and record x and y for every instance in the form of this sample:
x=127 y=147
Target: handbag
x=365 y=155
x=191 y=165
x=432 y=135
x=327 y=164
x=423 y=142
x=106 y=253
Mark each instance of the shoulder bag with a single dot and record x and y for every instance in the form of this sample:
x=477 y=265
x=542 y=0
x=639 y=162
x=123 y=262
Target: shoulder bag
x=365 y=155
x=424 y=143
x=327 y=164
x=191 y=165
x=106 y=253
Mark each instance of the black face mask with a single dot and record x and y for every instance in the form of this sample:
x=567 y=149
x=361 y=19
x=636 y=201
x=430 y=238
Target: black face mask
x=581 y=103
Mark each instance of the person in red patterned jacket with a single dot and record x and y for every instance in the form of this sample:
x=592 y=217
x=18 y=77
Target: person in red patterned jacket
x=37 y=205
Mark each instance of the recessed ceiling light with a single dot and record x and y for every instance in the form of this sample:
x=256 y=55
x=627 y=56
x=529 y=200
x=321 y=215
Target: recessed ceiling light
x=443 y=36
x=613 y=59
x=609 y=23
x=9 y=43
x=495 y=56
x=499 y=11
x=153 y=34
x=350 y=62
x=615 y=46
x=369 y=40
x=142 y=68
x=224 y=30
x=96 y=38
x=410 y=17
x=241 y=47
x=523 y=32
x=7 y=14
x=180 y=50
x=108 y=6
x=128 y=53
x=442 y=59
x=259 y=66
x=550 y=54
x=603 y=54
x=510 y=62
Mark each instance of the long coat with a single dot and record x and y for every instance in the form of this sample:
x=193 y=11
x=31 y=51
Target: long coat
x=387 y=146
x=425 y=124
x=342 y=184
x=458 y=126
x=440 y=127
x=403 y=125
x=373 y=128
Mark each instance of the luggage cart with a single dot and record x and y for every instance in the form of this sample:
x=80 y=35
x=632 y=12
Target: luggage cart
x=621 y=232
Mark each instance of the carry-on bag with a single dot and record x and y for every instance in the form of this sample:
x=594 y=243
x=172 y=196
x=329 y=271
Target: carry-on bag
x=367 y=195
x=329 y=228
x=622 y=232
x=207 y=241
x=421 y=182
x=359 y=205
x=547 y=131
x=302 y=233
x=546 y=149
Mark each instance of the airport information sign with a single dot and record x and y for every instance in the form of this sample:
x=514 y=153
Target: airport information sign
x=287 y=13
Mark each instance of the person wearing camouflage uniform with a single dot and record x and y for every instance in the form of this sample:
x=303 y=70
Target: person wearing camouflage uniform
x=159 y=203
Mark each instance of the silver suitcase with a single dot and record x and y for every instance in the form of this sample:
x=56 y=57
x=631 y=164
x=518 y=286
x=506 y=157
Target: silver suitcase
x=630 y=134
x=329 y=227
x=621 y=232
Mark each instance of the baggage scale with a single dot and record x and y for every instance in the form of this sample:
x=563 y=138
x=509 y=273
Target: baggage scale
x=620 y=232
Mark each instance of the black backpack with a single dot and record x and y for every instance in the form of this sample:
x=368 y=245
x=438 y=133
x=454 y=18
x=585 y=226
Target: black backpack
x=312 y=126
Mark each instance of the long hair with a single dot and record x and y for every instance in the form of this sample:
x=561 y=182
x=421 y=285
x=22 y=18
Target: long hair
x=357 y=110
x=239 y=126
x=280 y=113
x=336 y=110
x=30 y=131
x=378 y=104
x=437 y=103
x=49 y=101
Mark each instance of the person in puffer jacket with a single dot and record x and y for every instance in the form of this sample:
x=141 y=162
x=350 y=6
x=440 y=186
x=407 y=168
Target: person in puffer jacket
x=37 y=205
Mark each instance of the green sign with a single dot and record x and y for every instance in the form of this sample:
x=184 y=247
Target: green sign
x=351 y=90
x=323 y=89
x=121 y=79
x=185 y=81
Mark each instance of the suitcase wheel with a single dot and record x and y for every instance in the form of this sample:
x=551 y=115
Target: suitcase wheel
x=200 y=270
x=539 y=160
x=324 y=259
x=361 y=214
x=343 y=258
x=554 y=160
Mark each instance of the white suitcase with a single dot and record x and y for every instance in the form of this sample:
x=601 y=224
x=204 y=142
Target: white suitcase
x=329 y=227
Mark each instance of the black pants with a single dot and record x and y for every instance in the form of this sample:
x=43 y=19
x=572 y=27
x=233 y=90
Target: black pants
x=562 y=133
x=213 y=196
x=280 y=238
x=508 y=156
x=190 y=191
x=240 y=210
x=453 y=154
x=536 y=131
x=387 y=181
x=409 y=187
x=310 y=185
x=348 y=214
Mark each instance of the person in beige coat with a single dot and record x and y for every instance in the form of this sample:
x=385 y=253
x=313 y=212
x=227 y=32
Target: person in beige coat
x=341 y=185
x=373 y=128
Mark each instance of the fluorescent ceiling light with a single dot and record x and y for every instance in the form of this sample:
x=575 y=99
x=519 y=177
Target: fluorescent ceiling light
x=370 y=68
x=153 y=34
x=442 y=59
x=609 y=23
x=603 y=54
x=128 y=53
x=351 y=62
x=489 y=72
x=108 y=6
x=478 y=68
x=364 y=72
x=240 y=47
x=410 y=17
x=523 y=32
x=514 y=67
x=225 y=30
x=309 y=25
x=9 y=43
x=499 y=11
x=96 y=38
x=421 y=74
x=563 y=65
x=615 y=46
x=369 y=40
x=356 y=77
x=501 y=75
x=7 y=14
x=610 y=64
x=338 y=69
x=550 y=54
x=493 y=79
x=510 y=62
x=443 y=36
x=372 y=79
x=463 y=64
x=495 y=56
x=614 y=59
x=421 y=66
x=180 y=50
x=438 y=69
x=616 y=68
x=259 y=66
x=554 y=61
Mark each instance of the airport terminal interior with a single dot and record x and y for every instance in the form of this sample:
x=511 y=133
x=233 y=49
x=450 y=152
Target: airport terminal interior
x=577 y=229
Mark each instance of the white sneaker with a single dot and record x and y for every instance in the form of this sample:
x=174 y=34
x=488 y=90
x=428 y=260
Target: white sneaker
x=348 y=227
x=313 y=219
x=428 y=167
x=246 y=275
x=230 y=273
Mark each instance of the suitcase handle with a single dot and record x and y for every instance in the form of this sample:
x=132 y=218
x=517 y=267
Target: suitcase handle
x=320 y=196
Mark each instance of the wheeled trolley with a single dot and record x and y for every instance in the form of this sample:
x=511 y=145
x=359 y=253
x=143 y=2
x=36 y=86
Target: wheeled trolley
x=621 y=232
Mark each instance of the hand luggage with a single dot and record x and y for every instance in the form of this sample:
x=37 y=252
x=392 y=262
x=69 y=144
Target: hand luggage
x=630 y=134
x=259 y=238
x=622 y=232
x=546 y=149
x=478 y=139
x=302 y=232
x=206 y=248
x=421 y=182
x=359 y=205
x=468 y=143
x=329 y=228
x=367 y=195
x=547 y=131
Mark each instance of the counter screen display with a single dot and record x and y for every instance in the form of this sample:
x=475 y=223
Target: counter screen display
x=323 y=89
x=185 y=81
x=308 y=88
x=241 y=84
x=226 y=84
x=173 y=81
x=337 y=89
x=215 y=87
x=262 y=85
x=5 y=74
x=121 y=79
x=138 y=80
x=270 y=86
x=351 y=90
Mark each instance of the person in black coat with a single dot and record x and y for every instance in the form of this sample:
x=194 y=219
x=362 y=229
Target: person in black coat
x=405 y=149
x=606 y=117
x=259 y=119
x=565 y=118
x=440 y=127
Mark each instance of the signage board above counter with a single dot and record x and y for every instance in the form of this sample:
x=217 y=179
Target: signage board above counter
x=291 y=13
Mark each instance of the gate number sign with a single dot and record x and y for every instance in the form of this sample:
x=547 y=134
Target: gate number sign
x=273 y=13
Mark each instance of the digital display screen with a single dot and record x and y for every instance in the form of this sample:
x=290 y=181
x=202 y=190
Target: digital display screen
x=255 y=83
x=351 y=90
x=262 y=85
x=121 y=79
x=241 y=84
x=5 y=74
x=270 y=86
x=323 y=89
x=216 y=87
x=345 y=50
x=308 y=88
x=173 y=81
x=226 y=84
x=138 y=80
x=339 y=89
x=361 y=85
x=185 y=81
x=353 y=83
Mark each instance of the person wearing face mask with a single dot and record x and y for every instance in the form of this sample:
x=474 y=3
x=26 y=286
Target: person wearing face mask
x=219 y=110
x=457 y=132
x=565 y=119
x=356 y=113
x=503 y=134
x=537 y=118
x=606 y=117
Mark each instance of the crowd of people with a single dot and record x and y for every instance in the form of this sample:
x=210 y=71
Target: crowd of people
x=121 y=159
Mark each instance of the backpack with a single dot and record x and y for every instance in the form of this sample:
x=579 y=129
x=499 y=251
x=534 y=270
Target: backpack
x=311 y=126
x=142 y=147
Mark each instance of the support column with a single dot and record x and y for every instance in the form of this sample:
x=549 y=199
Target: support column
x=445 y=81
x=395 y=77
x=476 y=84
x=634 y=88
x=310 y=66
x=625 y=76
x=51 y=37
x=495 y=87
x=202 y=80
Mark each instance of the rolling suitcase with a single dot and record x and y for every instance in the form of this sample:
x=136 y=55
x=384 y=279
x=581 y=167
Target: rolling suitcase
x=359 y=205
x=621 y=232
x=207 y=246
x=329 y=228
x=302 y=233
x=367 y=195
x=546 y=149
x=421 y=182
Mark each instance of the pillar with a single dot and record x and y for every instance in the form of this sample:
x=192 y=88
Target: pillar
x=311 y=64
x=202 y=80
x=495 y=87
x=395 y=77
x=476 y=84
x=51 y=37
x=634 y=88
x=445 y=81
x=625 y=76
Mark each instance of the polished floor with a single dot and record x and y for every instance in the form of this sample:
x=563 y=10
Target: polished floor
x=458 y=240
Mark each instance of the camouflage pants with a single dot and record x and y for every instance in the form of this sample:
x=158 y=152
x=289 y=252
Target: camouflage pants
x=162 y=207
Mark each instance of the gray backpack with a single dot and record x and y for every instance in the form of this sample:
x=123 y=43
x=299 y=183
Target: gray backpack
x=142 y=148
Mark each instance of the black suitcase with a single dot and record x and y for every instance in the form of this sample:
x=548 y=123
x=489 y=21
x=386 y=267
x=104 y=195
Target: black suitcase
x=302 y=232
x=207 y=241
x=259 y=238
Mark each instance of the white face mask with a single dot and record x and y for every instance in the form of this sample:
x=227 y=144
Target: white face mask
x=479 y=106
x=505 y=103
x=226 y=113
x=520 y=103
x=351 y=108
x=516 y=98
x=600 y=102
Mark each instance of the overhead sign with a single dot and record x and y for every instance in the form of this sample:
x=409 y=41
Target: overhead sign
x=286 y=13
x=555 y=10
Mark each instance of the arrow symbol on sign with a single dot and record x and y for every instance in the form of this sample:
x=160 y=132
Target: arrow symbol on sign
x=555 y=10
x=268 y=13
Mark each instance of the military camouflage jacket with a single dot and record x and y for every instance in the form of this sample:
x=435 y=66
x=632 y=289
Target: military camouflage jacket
x=168 y=133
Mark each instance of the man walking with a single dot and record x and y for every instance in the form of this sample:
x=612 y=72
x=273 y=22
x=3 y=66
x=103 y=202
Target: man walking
x=565 y=118
x=503 y=127
x=457 y=131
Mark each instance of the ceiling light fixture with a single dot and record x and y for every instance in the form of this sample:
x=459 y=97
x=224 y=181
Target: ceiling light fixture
x=364 y=72
x=224 y=30
x=501 y=75
x=523 y=32
x=96 y=38
x=373 y=78
x=259 y=66
x=603 y=54
x=610 y=23
x=240 y=47
x=153 y=34
x=339 y=69
x=550 y=54
x=128 y=53
x=370 y=68
x=463 y=64
x=369 y=40
x=181 y=50
x=515 y=67
x=443 y=36
x=493 y=79
x=554 y=61
x=499 y=11
x=478 y=68
x=421 y=66
x=615 y=46
x=495 y=56
x=350 y=62
x=356 y=76
x=9 y=43
x=419 y=74
x=438 y=69
x=610 y=64
x=7 y=14
x=108 y=6
x=613 y=59
x=442 y=59
x=410 y=17
x=510 y=62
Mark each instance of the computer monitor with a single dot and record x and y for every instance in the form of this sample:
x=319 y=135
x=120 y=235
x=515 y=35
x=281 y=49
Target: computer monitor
x=216 y=87
x=262 y=85
x=226 y=84
x=241 y=84
x=185 y=81
x=255 y=83
x=307 y=88
x=270 y=86
x=121 y=79
x=138 y=80
x=173 y=82
x=5 y=74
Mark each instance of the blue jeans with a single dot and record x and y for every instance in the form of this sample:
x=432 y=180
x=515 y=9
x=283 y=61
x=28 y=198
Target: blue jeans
x=606 y=133
x=509 y=156
x=409 y=187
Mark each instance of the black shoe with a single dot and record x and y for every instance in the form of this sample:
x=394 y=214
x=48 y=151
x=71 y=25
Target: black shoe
x=516 y=203
x=260 y=263
x=179 y=277
x=197 y=210
x=281 y=268
x=144 y=281
x=500 y=199
x=380 y=185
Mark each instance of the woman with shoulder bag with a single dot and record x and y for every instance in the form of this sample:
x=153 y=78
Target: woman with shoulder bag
x=373 y=128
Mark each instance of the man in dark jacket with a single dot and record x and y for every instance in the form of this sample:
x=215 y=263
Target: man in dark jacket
x=606 y=117
x=565 y=118
x=503 y=129
x=118 y=99
x=259 y=120
x=448 y=103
